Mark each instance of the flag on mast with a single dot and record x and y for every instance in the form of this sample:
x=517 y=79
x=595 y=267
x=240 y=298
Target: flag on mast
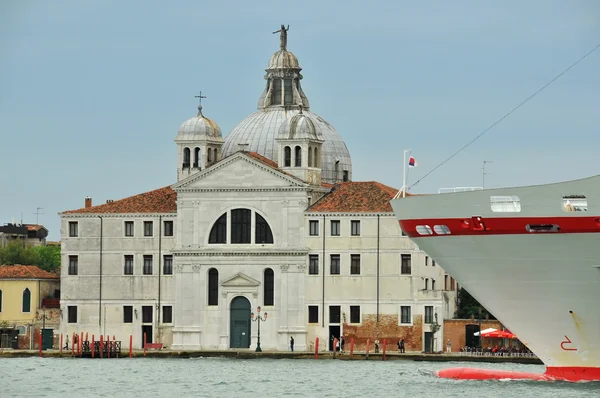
x=412 y=162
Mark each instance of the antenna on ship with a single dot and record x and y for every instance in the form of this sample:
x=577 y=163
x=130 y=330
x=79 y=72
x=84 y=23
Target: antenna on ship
x=483 y=173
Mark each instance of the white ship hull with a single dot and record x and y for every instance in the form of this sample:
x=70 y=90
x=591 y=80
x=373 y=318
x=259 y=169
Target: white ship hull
x=533 y=265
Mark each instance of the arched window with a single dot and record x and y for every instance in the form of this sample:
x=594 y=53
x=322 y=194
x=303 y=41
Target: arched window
x=240 y=225
x=209 y=155
x=310 y=157
x=287 y=156
x=186 y=158
x=213 y=286
x=262 y=231
x=197 y=157
x=316 y=159
x=269 y=286
x=26 y=301
x=276 y=93
x=215 y=154
x=218 y=233
x=298 y=153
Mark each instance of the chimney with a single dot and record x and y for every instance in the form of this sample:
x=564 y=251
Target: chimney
x=88 y=202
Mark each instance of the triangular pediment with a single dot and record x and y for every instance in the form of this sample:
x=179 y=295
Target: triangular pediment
x=240 y=280
x=240 y=171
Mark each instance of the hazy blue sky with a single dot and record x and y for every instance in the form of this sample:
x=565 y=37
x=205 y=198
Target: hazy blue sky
x=92 y=92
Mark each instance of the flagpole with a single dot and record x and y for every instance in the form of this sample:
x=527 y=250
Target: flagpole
x=404 y=175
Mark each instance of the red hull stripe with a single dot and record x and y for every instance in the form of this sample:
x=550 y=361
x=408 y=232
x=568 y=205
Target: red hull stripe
x=572 y=373
x=476 y=225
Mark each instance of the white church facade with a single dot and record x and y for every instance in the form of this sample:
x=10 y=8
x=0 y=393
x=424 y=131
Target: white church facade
x=266 y=217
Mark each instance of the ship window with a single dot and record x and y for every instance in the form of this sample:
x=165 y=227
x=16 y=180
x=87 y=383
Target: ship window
x=424 y=230
x=574 y=203
x=441 y=229
x=505 y=204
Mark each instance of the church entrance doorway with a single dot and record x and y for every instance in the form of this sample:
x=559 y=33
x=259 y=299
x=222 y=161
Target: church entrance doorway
x=239 y=319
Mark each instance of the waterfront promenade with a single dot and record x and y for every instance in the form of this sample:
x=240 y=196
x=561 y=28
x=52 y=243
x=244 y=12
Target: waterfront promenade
x=249 y=354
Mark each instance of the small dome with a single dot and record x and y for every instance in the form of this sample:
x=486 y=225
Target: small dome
x=200 y=126
x=283 y=59
x=299 y=127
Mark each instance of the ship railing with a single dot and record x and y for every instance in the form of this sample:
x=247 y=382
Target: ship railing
x=459 y=189
x=497 y=354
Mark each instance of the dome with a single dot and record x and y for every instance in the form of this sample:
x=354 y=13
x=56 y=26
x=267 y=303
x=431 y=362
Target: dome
x=260 y=129
x=198 y=126
x=283 y=59
x=299 y=127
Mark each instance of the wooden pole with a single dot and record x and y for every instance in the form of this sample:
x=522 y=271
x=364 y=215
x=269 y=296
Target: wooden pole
x=41 y=337
x=144 y=343
x=101 y=346
x=73 y=345
x=368 y=341
x=384 y=347
x=80 y=344
x=61 y=341
x=317 y=348
x=93 y=346
x=130 y=346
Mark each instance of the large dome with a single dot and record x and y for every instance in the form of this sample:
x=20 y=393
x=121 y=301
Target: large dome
x=282 y=99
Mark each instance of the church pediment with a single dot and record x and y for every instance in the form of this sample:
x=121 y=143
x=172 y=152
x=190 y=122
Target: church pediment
x=240 y=170
x=240 y=280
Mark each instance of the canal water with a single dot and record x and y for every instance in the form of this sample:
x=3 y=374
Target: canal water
x=226 y=377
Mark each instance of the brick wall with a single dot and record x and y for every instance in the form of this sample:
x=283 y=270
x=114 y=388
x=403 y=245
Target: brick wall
x=388 y=329
x=455 y=329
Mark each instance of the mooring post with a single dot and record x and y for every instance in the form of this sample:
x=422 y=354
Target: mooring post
x=93 y=346
x=351 y=346
x=317 y=348
x=41 y=336
x=61 y=341
x=384 y=346
x=368 y=341
x=130 y=345
x=144 y=343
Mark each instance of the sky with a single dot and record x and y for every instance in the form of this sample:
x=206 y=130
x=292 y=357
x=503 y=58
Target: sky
x=92 y=92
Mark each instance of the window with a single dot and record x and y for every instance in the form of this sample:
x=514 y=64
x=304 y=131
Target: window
x=269 y=287
x=355 y=264
x=573 y=203
x=213 y=287
x=335 y=227
x=209 y=157
x=148 y=226
x=428 y=314
x=147 y=313
x=186 y=158
x=355 y=228
x=73 y=229
x=127 y=314
x=405 y=316
x=313 y=264
x=128 y=267
x=405 y=264
x=168 y=227
x=196 y=157
x=313 y=227
x=433 y=263
x=128 y=228
x=426 y=284
x=505 y=204
x=432 y=284
x=354 y=314
x=276 y=93
x=445 y=282
x=316 y=159
x=262 y=231
x=0 y=300
x=345 y=177
x=441 y=229
x=334 y=314
x=147 y=270
x=288 y=92
x=426 y=261
x=424 y=230
x=310 y=157
x=72 y=314
x=335 y=264
x=73 y=265
x=452 y=283
x=298 y=156
x=218 y=233
x=26 y=307
x=240 y=225
x=313 y=314
x=168 y=264
x=167 y=316
x=287 y=156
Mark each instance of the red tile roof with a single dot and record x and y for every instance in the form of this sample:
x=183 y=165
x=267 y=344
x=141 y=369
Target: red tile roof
x=356 y=197
x=25 y=272
x=33 y=227
x=161 y=200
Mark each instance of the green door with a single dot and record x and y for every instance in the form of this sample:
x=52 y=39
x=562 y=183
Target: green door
x=240 y=323
x=47 y=338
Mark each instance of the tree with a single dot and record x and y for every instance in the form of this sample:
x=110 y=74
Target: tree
x=45 y=257
x=469 y=307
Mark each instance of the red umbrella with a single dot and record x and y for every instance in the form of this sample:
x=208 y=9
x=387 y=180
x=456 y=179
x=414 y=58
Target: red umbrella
x=498 y=334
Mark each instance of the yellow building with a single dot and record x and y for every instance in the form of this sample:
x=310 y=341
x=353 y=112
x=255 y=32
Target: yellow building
x=28 y=300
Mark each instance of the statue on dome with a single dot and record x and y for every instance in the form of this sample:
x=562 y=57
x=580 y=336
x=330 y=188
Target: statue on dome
x=283 y=37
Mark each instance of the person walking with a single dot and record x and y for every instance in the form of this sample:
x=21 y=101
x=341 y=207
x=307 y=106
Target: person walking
x=448 y=347
x=292 y=343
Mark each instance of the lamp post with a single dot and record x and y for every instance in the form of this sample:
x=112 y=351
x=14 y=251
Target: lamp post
x=258 y=319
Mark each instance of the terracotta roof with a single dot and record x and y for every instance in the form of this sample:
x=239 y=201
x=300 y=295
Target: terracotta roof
x=359 y=197
x=161 y=200
x=33 y=227
x=25 y=272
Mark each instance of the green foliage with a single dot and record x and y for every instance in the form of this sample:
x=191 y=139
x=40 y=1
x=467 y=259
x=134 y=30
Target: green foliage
x=469 y=307
x=45 y=257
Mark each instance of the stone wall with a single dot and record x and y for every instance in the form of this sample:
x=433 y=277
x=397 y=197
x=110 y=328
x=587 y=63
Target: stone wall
x=388 y=329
